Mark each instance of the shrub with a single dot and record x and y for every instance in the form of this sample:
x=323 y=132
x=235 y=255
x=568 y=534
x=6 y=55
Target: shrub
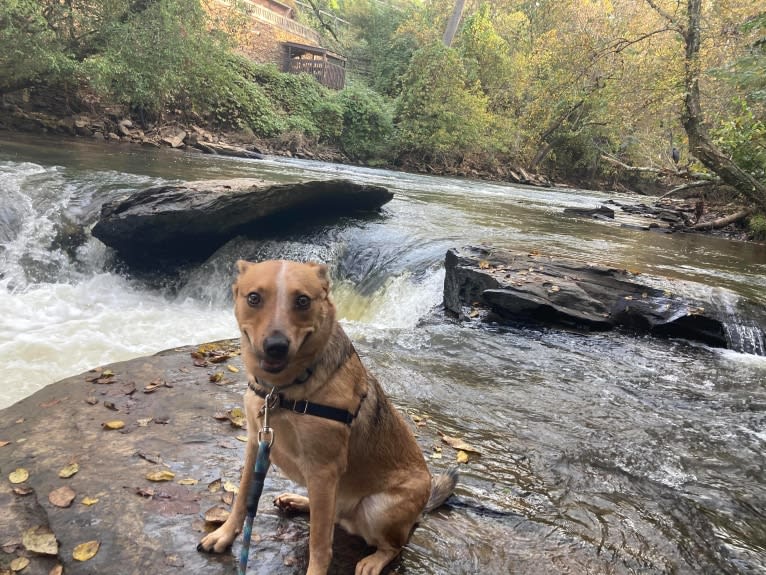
x=367 y=129
x=757 y=225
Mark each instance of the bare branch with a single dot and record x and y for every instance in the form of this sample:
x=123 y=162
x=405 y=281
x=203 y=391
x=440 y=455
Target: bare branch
x=723 y=222
x=687 y=186
x=676 y=25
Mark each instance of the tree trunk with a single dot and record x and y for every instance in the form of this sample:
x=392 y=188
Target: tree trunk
x=725 y=221
x=457 y=14
x=700 y=143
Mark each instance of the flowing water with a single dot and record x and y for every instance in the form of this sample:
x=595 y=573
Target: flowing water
x=600 y=454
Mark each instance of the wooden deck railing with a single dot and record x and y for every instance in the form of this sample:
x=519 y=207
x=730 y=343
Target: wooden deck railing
x=286 y=24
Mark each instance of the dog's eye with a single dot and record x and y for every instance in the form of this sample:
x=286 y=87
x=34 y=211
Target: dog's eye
x=302 y=302
x=253 y=299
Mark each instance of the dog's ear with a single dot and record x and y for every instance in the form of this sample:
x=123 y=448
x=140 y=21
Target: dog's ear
x=323 y=273
x=242 y=265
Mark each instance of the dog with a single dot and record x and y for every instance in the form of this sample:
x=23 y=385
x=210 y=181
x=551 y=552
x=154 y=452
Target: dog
x=362 y=467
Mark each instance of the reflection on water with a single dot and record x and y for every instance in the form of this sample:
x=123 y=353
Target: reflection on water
x=599 y=454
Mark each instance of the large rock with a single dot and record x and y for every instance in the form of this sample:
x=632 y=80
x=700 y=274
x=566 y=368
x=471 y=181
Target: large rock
x=189 y=221
x=528 y=287
x=180 y=426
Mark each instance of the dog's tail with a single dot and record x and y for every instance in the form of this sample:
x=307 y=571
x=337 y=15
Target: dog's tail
x=441 y=488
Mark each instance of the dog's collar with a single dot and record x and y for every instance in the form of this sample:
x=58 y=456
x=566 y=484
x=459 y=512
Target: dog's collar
x=303 y=407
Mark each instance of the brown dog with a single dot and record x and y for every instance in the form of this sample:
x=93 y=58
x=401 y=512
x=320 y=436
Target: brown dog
x=334 y=430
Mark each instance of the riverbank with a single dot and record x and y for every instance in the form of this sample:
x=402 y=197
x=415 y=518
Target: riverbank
x=114 y=128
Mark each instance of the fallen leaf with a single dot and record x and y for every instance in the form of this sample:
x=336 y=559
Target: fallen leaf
x=174 y=561
x=143 y=422
x=87 y=550
x=91 y=399
x=221 y=415
x=459 y=444
x=19 y=475
x=41 y=540
x=214 y=486
x=242 y=438
x=114 y=424
x=145 y=492
x=436 y=455
x=57 y=570
x=69 y=470
x=161 y=420
x=150 y=457
x=462 y=457
x=154 y=385
x=88 y=501
x=237 y=417
x=21 y=420
x=162 y=475
x=227 y=498
x=200 y=363
x=216 y=377
x=232 y=369
x=217 y=514
x=230 y=487
x=19 y=564
x=188 y=481
x=110 y=405
x=107 y=373
x=62 y=497
x=483 y=264
x=23 y=490
x=4 y=443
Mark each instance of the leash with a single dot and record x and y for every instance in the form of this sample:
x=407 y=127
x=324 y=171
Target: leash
x=265 y=440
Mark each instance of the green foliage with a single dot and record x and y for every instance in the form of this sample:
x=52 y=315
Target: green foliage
x=367 y=129
x=757 y=225
x=743 y=137
x=440 y=116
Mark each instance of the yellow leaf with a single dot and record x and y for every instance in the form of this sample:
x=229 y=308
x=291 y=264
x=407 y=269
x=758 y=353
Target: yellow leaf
x=462 y=456
x=242 y=438
x=230 y=487
x=19 y=475
x=483 y=264
x=87 y=550
x=214 y=486
x=232 y=369
x=188 y=481
x=114 y=424
x=162 y=475
x=88 y=501
x=19 y=564
x=41 y=540
x=69 y=470
x=216 y=377
x=456 y=443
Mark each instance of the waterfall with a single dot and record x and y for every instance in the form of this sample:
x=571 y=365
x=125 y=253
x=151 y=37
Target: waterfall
x=740 y=323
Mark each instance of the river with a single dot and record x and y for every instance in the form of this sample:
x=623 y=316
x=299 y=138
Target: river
x=603 y=453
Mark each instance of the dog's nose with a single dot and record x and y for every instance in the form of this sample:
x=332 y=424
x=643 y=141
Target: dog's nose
x=276 y=346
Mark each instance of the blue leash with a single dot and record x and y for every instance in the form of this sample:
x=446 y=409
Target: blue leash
x=265 y=439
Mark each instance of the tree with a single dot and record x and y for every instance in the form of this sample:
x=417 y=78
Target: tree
x=453 y=23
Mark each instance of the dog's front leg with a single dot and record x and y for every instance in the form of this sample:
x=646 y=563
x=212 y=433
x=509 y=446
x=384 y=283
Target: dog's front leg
x=220 y=539
x=323 y=489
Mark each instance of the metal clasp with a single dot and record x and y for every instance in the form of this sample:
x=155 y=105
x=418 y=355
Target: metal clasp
x=305 y=407
x=266 y=433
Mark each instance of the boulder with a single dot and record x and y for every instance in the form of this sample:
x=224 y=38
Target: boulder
x=175 y=420
x=188 y=222
x=499 y=285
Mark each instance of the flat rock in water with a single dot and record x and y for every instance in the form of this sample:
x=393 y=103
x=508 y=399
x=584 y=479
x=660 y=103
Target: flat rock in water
x=174 y=421
x=189 y=221
x=533 y=288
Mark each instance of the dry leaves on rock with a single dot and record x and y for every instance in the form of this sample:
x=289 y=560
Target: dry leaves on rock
x=62 y=497
x=217 y=514
x=456 y=443
x=161 y=475
x=19 y=564
x=69 y=470
x=57 y=570
x=86 y=551
x=41 y=540
x=19 y=475
x=23 y=490
x=188 y=481
x=4 y=443
x=230 y=487
x=88 y=501
x=112 y=425
x=237 y=417
x=462 y=456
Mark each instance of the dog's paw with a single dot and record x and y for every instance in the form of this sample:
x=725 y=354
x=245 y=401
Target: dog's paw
x=216 y=542
x=292 y=503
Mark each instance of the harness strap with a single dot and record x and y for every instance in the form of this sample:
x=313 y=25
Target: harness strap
x=303 y=407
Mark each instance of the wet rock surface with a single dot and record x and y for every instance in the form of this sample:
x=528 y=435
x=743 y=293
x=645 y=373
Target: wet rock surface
x=175 y=420
x=531 y=288
x=188 y=222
